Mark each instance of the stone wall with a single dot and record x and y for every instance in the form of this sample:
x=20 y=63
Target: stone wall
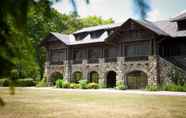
x=121 y=67
x=165 y=67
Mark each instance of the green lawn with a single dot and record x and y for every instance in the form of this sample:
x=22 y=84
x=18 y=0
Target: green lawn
x=42 y=103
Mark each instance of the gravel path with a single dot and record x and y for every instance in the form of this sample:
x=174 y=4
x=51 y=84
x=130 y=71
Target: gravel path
x=140 y=92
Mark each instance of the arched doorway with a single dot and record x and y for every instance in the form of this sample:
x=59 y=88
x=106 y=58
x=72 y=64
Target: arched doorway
x=77 y=76
x=55 y=76
x=93 y=77
x=136 y=80
x=111 y=79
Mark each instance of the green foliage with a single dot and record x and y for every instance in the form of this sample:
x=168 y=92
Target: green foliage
x=74 y=86
x=42 y=83
x=177 y=77
x=25 y=82
x=152 y=87
x=94 y=20
x=59 y=83
x=66 y=84
x=4 y=82
x=174 y=87
x=93 y=86
x=83 y=84
x=102 y=84
x=120 y=85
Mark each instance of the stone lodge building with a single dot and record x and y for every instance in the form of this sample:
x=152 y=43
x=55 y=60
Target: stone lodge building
x=139 y=53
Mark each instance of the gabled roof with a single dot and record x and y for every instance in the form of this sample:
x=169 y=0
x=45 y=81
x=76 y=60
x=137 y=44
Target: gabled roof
x=99 y=27
x=171 y=28
x=151 y=26
x=180 y=16
x=165 y=28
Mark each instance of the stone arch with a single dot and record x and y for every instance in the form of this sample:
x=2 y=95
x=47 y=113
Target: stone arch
x=76 y=76
x=55 y=76
x=93 y=76
x=136 y=79
x=110 y=79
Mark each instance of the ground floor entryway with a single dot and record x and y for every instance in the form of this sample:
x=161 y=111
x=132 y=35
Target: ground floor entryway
x=111 y=79
x=136 y=80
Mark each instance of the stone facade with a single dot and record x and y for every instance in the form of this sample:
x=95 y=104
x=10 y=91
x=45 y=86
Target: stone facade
x=121 y=67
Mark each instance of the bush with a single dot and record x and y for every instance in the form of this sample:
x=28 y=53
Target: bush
x=83 y=84
x=174 y=87
x=152 y=87
x=74 y=86
x=42 y=83
x=4 y=82
x=120 y=85
x=27 y=82
x=93 y=86
x=59 y=83
x=66 y=84
x=102 y=84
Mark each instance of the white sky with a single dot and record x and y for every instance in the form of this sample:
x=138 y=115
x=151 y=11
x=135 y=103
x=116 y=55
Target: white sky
x=120 y=10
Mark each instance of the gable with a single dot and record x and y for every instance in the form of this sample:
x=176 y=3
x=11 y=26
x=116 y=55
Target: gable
x=133 y=30
x=51 y=41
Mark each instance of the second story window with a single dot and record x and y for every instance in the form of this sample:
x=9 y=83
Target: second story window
x=80 y=36
x=57 y=56
x=182 y=25
x=96 y=34
x=135 y=50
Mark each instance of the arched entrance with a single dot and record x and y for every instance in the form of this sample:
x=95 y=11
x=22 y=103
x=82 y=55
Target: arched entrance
x=77 y=76
x=136 y=80
x=55 y=76
x=111 y=79
x=93 y=77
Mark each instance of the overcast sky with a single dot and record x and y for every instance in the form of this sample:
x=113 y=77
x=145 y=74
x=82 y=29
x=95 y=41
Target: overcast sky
x=120 y=10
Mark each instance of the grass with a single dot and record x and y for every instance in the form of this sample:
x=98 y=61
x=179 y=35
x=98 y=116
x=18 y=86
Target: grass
x=42 y=103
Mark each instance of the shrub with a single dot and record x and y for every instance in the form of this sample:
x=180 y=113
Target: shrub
x=4 y=82
x=152 y=87
x=93 y=86
x=102 y=84
x=59 y=83
x=174 y=87
x=25 y=82
x=66 y=84
x=74 y=86
x=120 y=85
x=42 y=83
x=83 y=84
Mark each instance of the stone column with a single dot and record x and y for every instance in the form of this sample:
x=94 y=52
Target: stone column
x=153 y=72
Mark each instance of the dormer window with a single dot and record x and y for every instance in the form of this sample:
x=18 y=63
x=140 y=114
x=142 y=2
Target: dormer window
x=80 y=36
x=181 y=25
x=96 y=34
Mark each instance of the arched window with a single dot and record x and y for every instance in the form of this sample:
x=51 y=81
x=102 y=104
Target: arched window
x=77 y=76
x=55 y=76
x=94 y=77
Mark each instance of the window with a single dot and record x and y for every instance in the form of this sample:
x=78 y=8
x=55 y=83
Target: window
x=182 y=25
x=57 y=56
x=80 y=36
x=137 y=50
x=111 y=52
x=78 y=54
x=94 y=52
x=96 y=34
